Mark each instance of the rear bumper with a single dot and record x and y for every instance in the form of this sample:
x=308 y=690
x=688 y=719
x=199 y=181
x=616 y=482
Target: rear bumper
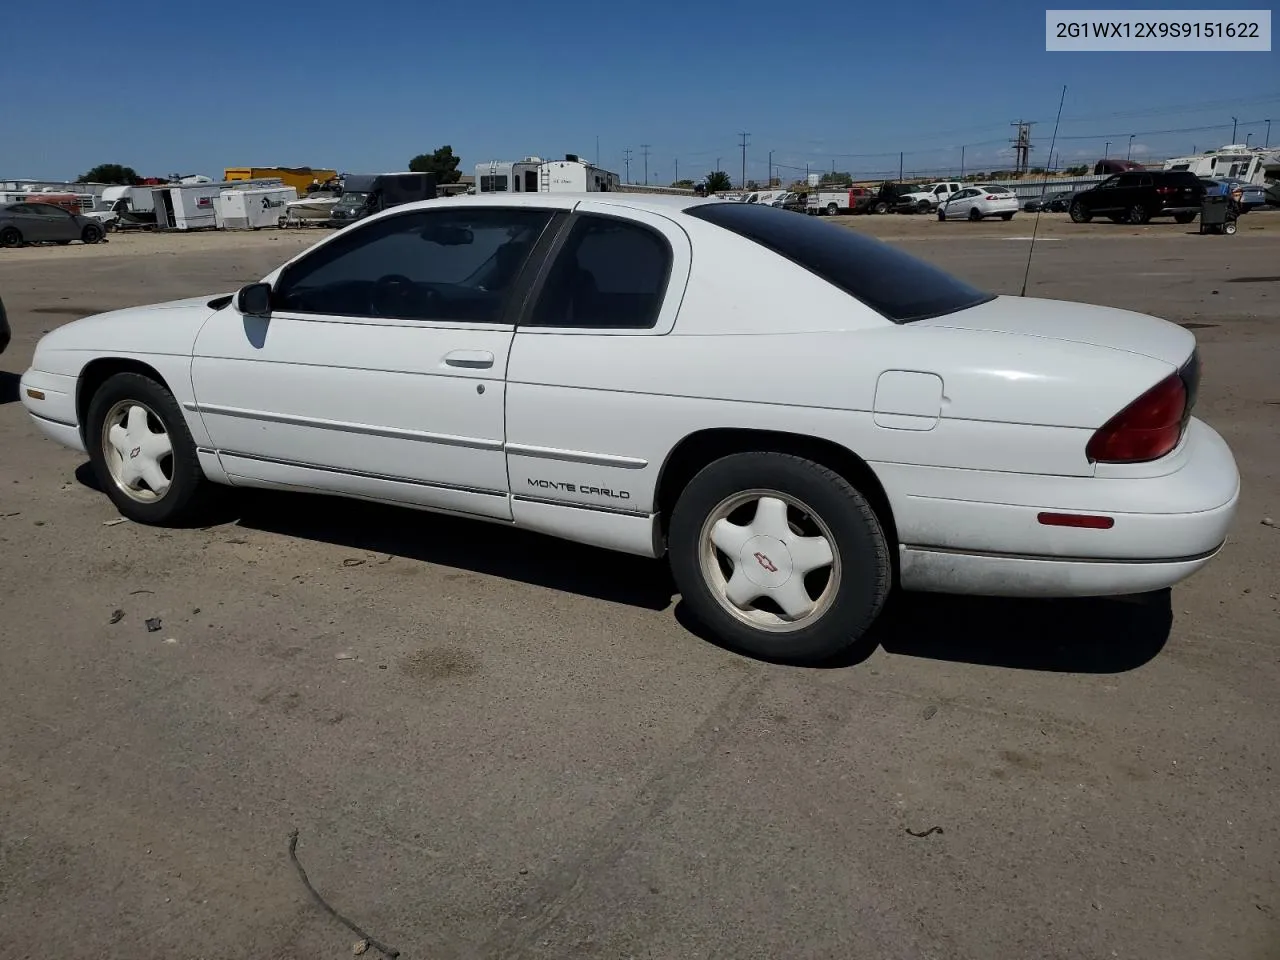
x=978 y=532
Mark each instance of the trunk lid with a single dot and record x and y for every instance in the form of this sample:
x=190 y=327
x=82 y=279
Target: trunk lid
x=1072 y=322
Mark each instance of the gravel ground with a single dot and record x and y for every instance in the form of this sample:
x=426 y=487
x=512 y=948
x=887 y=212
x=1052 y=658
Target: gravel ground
x=496 y=745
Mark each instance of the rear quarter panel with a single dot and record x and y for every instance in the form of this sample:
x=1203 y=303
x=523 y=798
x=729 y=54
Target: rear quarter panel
x=615 y=406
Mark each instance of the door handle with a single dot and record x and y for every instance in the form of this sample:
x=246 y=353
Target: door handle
x=475 y=359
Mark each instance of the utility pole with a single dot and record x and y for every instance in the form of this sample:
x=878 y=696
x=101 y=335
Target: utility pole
x=597 y=151
x=770 y=183
x=1268 y=143
x=744 y=158
x=1234 y=121
x=899 y=164
x=962 y=161
x=1106 y=151
x=676 y=178
x=1129 y=155
x=1022 y=145
x=627 y=158
x=644 y=149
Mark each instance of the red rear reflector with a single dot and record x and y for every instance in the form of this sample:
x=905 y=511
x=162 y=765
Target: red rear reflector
x=1147 y=429
x=992 y=197
x=1088 y=521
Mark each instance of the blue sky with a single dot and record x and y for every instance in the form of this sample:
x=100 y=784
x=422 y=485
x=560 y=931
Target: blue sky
x=362 y=87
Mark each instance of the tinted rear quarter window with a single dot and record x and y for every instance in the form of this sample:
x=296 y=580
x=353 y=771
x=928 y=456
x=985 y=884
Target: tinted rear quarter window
x=896 y=285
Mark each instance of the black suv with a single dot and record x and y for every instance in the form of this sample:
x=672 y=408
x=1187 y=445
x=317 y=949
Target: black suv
x=1137 y=196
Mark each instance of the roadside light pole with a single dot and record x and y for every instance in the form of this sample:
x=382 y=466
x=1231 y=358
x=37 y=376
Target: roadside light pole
x=1106 y=151
x=1129 y=155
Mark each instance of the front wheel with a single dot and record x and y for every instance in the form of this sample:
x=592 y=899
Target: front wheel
x=10 y=237
x=924 y=206
x=142 y=452
x=974 y=214
x=91 y=234
x=1137 y=214
x=881 y=207
x=942 y=214
x=1079 y=214
x=779 y=556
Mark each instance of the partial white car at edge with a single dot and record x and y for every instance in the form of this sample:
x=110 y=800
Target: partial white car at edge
x=798 y=416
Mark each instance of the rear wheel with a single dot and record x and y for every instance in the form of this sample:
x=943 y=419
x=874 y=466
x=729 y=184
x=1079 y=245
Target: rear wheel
x=924 y=206
x=942 y=214
x=1006 y=216
x=832 y=209
x=10 y=237
x=91 y=234
x=1137 y=214
x=974 y=214
x=1079 y=214
x=779 y=556
x=142 y=452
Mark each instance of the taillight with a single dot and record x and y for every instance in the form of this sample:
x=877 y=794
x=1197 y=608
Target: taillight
x=1146 y=429
x=1166 y=190
x=992 y=196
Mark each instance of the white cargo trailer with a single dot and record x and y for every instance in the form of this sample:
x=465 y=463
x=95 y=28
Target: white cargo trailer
x=251 y=209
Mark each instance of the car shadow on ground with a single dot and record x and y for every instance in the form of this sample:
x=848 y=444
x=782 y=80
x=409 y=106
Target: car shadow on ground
x=1101 y=636
x=9 y=387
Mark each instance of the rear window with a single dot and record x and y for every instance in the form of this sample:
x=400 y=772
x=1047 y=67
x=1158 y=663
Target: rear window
x=896 y=285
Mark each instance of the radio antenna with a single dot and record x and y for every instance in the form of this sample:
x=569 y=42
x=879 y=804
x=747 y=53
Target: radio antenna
x=1044 y=187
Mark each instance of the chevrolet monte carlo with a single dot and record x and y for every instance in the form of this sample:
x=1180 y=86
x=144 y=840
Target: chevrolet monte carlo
x=796 y=416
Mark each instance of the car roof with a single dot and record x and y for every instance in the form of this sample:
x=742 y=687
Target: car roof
x=653 y=202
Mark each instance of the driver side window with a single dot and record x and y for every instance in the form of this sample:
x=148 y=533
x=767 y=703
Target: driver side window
x=453 y=264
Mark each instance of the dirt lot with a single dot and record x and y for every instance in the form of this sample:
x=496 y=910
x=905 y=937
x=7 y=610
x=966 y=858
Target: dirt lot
x=493 y=745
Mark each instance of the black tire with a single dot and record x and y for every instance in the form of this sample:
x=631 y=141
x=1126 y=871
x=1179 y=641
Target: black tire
x=1137 y=215
x=974 y=215
x=924 y=206
x=860 y=548
x=10 y=237
x=942 y=214
x=832 y=209
x=189 y=492
x=92 y=233
x=1184 y=217
x=881 y=207
x=1079 y=214
x=1006 y=216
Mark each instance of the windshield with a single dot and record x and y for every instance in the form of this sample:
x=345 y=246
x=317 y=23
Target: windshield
x=896 y=285
x=352 y=200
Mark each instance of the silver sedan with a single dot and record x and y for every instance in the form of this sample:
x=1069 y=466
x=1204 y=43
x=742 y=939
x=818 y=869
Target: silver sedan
x=22 y=223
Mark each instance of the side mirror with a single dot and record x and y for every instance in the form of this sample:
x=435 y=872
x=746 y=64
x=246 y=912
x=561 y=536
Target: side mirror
x=254 y=299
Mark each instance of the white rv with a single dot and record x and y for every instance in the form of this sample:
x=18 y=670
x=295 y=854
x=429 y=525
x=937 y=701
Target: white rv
x=535 y=175
x=1234 y=160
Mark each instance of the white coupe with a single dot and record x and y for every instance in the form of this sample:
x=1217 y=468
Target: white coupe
x=796 y=415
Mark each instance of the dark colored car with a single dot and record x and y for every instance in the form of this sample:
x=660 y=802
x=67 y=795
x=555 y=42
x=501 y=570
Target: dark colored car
x=1053 y=202
x=22 y=223
x=4 y=328
x=1135 y=197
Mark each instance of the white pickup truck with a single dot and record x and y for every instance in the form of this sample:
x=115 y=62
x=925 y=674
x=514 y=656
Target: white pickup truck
x=928 y=197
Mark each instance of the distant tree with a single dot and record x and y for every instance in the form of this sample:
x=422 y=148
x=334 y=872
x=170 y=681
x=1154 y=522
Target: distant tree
x=110 y=173
x=836 y=179
x=718 y=182
x=441 y=162
x=1077 y=171
x=752 y=185
x=684 y=184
